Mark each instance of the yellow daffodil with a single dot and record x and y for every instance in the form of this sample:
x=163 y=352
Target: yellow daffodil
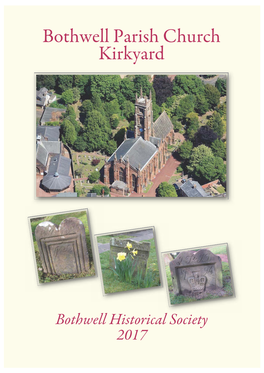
x=134 y=252
x=121 y=256
x=129 y=246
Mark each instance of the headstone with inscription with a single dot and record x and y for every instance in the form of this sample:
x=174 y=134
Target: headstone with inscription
x=141 y=259
x=196 y=273
x=62 y=248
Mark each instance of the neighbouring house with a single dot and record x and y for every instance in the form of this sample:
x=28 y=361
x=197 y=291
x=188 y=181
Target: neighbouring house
x=191 y=188
x=66 y=194
x=51 y=114
x=49 y=160
x=138 y=160
x=44 y=97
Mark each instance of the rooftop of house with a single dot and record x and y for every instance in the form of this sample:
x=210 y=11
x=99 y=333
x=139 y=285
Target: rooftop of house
x=44 y=148
x=137 y=151
x=193 y=189
x=58 y=177
x=51 y=114
x=48 y=133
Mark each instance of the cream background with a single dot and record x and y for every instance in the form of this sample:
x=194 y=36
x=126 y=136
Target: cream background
x=231 y=337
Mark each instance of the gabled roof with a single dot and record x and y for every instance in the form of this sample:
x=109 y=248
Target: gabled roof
x=59 y=164
x=193 y=189
x=53 y=147
x=162 y=126
x=137 y=151
x=42 y=154
x=51 y=113
x=49 y=132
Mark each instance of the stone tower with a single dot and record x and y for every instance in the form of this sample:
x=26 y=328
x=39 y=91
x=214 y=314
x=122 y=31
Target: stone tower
x=143 y=116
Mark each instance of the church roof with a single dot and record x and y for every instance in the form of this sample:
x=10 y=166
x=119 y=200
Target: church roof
x=51 y=133
x=162 y=126
x=137 y=151
x=57 y=177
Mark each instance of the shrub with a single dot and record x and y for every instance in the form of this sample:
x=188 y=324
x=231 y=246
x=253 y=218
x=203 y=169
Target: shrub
x=94 y=176
x=95 y=162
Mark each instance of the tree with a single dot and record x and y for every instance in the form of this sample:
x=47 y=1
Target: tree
x=189 y=84
x=76 y=94
x=105 y=86
x=47 y=81
x=111 y=108
x=219 y=149
x=79 y=144
x=94 y=176
x=98 y=189
x=114 y=120
x=185 y=107
x=185 y=149
x=64 y=82
x=67 y=97
x=166 y=190
x=69 y=135
x=176 y=124
x=97 y=131
x=127 y=89
x=128 y=110
x=201 y=104
x=82 y=83
x=221 y=86
x=110 y=147
x=205 y=135
x=212 y=96
x=216 y=124
x=163 y=88
x=198 y=154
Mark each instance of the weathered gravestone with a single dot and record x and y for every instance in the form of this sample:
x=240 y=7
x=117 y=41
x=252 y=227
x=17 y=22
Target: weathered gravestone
x=62 y=248
x=141 y=259
x=196 y=273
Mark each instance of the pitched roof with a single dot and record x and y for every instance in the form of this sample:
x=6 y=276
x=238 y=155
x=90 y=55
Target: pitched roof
x=51 y=133
x=53 y=147
x=193 y=189
x=51 y=113
x=57 y=177
x=137 y=151
x=162 y=126
x=42 y=154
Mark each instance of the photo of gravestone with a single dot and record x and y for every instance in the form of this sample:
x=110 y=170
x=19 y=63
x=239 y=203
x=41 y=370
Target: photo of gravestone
x=128 y=260
x=62 y=246
x=199 y=273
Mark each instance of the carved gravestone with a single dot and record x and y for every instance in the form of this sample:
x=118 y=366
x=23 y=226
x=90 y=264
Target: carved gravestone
x=62 y=248
x=141 y=259
x=196 y=273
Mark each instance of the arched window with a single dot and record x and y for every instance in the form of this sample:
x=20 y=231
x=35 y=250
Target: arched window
x=122 y=175
x=134 y=182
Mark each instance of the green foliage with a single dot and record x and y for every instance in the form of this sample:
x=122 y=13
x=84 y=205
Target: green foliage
x=185 y=107
x=47 y=81
x=125 y=269
x=94 y=176
x=221 y=86
x=119 y=136
x=128 y=110
x=110 y=147
x=76 y=94
x=69 y=135
x=197 y=155
x=176 y=124
x=179 y=169
x=216 y=124
x=201 y=104
x=185 y=150
x=97 y=131
x=221 y=109
x=114 y=120
x=57 y=105
x=192 y=124
x=212 y=96
x=67 y=97
x=53 y=124
x=219 y=149
x=106 y=86
x=63 y=83
x=98 y=189
x=166 y=190
x=205 y=135
x=189 y=84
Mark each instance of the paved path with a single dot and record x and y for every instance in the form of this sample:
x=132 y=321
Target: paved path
x=164 y=175
x=146 y=234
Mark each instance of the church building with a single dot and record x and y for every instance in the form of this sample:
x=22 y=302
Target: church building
x=139 y=159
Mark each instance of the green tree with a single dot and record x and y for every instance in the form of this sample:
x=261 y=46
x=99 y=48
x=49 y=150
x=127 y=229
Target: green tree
x=127 y=89
x=185 y=149
x=192 y=124
x=221 y=86
x=189 y=84
x=76 y=94
x=64 y=82
x=128 y=110
x=94 y=176
x=198 y=154
x=97 y=131
x=67 y=97
x=110 y=147
x=216 y=124
x=201 y=104
x=219 y=149
x=166 y=190
x=47 y=81
x=69 y=135
x=114 y=120
x=111 y=108
x=105 y=86
x=212 y=96
x=80 y=144
x=185 y=107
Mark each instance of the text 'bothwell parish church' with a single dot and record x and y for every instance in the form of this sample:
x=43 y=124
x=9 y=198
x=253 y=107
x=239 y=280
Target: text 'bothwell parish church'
x=138 y=160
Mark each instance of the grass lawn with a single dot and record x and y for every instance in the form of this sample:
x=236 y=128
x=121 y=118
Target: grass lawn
x=174 y=178
x=57 y=219
x=227 y=287
x=110 y=279
x=148 y=187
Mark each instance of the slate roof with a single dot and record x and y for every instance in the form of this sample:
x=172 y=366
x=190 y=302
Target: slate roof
x=162 y=126
x=49 y=132
x=47 y=115
x=119 y=184
x=137 y=151
x=42 y=154
x=155 y=141
x=193 y=189
x=91 y=195
x=59 y=166
x=53 y=147
x=66 y=194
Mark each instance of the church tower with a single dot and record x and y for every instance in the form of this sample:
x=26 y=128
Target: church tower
x=143 y=117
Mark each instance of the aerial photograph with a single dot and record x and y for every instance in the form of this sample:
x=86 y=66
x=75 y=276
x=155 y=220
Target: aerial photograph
x=107 y=136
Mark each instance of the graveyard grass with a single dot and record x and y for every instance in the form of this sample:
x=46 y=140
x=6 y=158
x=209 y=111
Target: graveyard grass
x=110 y=280
x=227 y=285
x=57 y=219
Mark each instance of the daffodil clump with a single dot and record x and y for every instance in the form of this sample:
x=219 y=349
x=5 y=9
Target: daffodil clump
x=124 y=265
